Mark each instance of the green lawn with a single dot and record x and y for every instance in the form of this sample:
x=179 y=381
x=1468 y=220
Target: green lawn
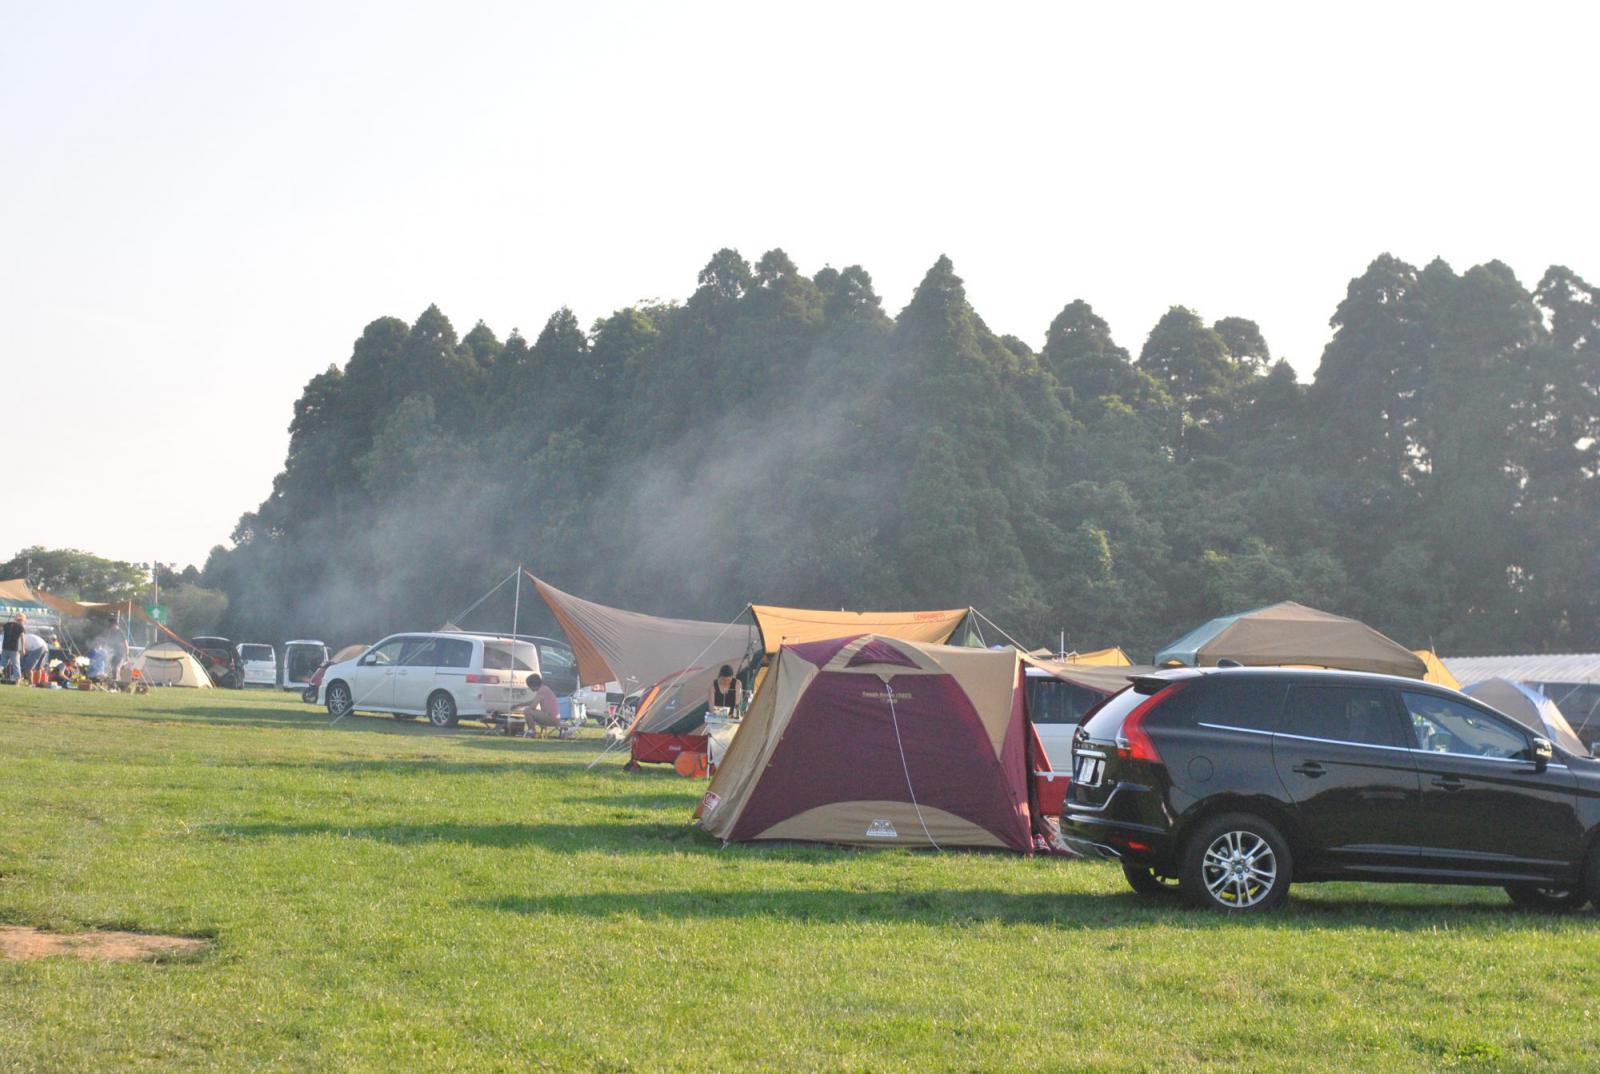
x=386 y=897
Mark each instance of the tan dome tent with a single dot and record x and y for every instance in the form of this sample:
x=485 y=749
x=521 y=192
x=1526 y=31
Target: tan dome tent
x=876 y=741
x=1290 y=634
x=169 y=664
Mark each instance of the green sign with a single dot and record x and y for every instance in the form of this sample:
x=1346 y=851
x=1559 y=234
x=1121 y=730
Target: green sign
x=158 y=612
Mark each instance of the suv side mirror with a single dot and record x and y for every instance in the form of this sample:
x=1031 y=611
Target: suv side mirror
x=1543 y=753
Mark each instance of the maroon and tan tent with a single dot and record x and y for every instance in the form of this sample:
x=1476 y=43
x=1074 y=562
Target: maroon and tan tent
x=877 y=741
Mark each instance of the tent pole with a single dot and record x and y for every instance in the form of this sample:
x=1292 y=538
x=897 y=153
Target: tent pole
x=516 y=603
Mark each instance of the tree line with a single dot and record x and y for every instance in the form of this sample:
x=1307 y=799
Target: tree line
x=778 y=437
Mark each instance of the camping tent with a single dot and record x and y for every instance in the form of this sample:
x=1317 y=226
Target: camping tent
x=1292 y=634
x=1112 y=657
x=1531 y=709
x=1437 y=672
x=167 y=663
x=878 y=741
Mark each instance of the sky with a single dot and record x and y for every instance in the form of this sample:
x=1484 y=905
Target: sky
x=201 y=205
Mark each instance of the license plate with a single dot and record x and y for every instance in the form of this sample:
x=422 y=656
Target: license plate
x=1089 y=770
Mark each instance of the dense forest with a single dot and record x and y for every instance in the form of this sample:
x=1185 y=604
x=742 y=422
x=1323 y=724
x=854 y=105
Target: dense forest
x=780 y=438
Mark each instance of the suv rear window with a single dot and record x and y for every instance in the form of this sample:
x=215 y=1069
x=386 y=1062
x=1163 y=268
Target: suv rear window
x=1106 y=723
x=256 y=652
x=1254 y=704
x=1342 y=714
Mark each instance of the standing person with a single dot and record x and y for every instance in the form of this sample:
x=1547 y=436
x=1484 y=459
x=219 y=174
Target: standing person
x=35 y=655
x=544 y=710
x=727 y=692
x=118 y=657
x=11 y=648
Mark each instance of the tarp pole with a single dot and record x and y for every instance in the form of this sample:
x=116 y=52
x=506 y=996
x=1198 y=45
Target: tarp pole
x=1003 y=634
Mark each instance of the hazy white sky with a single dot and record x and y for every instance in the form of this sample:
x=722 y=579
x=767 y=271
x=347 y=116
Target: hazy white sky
x=201 y=205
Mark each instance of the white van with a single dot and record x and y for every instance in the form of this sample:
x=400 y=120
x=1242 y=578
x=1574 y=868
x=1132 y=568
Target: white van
x=260 y=663
x=442 y=676
x=301 y=659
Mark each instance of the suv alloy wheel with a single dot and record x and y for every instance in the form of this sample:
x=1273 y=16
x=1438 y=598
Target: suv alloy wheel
x=1237 y=863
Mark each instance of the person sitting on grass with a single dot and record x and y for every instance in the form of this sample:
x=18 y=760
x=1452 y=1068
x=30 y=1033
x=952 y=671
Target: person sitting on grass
x=544 y=711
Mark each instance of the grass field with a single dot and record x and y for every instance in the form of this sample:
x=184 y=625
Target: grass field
x=387 y=897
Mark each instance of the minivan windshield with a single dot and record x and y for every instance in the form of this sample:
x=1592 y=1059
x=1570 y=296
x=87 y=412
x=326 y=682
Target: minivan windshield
x=510 y=656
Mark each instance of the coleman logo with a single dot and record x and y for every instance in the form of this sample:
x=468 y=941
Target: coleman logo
x=709 y=804
x=880 y=829
x=883 y=695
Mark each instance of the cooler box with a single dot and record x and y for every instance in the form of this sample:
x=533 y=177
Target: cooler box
x=1052 y=790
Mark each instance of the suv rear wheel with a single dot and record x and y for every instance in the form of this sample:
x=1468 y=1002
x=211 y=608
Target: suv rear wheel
x=1236 y=863
x=1546 y=900
x=1145 y=881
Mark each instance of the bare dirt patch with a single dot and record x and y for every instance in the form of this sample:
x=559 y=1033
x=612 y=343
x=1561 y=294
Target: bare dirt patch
x=20 y=943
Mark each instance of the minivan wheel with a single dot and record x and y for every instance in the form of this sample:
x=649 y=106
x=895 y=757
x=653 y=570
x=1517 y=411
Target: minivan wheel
x=339 y=703
x=1145 y=881
x=1236 y=863
x=1546 y=900
x=442 y=710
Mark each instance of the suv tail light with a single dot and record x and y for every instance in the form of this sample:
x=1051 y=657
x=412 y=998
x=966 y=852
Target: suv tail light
x=491 y=679
x=1133 y=742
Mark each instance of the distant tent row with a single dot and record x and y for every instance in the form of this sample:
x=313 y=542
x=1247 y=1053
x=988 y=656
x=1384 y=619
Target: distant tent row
x=170 y=662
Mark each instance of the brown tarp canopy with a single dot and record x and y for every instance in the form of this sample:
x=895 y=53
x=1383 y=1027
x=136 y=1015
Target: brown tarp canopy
x=638 y=650
x=1101 y=678
x=1290 y=634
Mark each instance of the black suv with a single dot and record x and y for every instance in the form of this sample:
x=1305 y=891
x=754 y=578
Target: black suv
x=1228 y=784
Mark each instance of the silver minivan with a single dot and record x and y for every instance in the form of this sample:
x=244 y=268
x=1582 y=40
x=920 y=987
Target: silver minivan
x=443 y=676
x=260 y=662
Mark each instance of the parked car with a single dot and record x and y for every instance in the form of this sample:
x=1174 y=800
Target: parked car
x=444 y=676
x=600 y=701
x=220 y=660
x=1056 y=707
x=301 y=659
x=314 y=683
x=260 y=663
x=1231 y=784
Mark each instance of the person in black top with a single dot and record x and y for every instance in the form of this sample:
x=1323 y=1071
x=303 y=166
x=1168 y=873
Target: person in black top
x=727 y=692
x=11 y=649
